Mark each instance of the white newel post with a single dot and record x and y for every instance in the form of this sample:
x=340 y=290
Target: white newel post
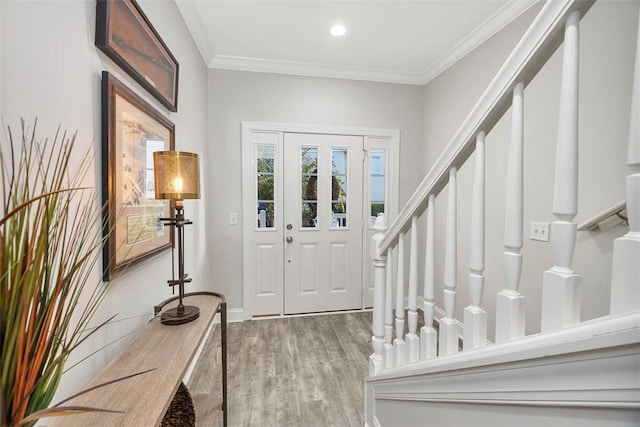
x=399 y=345
x=388 y=313
x=560 y=284
x=475 y=318
x=449 y=330
x=413 y=342
x=376 y=360
x=510 y=304
x=428 y=334
x=625 y=280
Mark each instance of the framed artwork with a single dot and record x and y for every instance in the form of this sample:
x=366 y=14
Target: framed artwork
x=131 y=132
x=124 y=34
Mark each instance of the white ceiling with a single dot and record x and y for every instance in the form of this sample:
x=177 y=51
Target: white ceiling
x=391 y=40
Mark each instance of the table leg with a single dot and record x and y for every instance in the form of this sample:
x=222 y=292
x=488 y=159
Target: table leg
x=223 y=338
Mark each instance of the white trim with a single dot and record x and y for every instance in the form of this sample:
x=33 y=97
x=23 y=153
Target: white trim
x=320 y=129
x=603 y=332
x=187 y=376
x=496 y=22
x=235 y=315
x=226 y=62
x=537 y=45
x=194 y=23
x=481 y=34
x=592 y=364
x=247 y=177
x=326 y=313
x=247 y=222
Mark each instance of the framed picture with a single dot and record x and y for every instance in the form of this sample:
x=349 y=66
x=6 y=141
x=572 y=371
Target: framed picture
x=125 y=34
x=131 y=132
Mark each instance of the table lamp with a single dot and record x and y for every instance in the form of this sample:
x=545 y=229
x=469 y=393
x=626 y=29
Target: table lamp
x=177 y=177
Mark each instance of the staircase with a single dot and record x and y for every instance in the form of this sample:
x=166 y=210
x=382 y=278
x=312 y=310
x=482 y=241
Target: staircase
x=572 y=372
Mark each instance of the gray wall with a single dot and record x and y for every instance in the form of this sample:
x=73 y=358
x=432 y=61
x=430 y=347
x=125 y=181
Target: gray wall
x=50 y=69
x=608 y=34
x=236 y=96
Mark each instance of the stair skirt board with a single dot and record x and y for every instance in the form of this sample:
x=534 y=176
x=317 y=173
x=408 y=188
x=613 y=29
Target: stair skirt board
x=402 y=413
x=587 y=375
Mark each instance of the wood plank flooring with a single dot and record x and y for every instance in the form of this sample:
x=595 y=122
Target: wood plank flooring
x=292 y=371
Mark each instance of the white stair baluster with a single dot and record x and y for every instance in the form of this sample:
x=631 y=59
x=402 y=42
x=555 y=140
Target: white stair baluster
x=510 y=304
x=625 y=279
x=413 y=342
x=376 y=360
x=388 y=313
x=561 y=285
x=449 y=330
x=428 y=334
x=399 y=345
x=475 y=318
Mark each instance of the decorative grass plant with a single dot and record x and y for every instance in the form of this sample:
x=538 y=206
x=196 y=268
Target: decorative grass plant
x=50 y=243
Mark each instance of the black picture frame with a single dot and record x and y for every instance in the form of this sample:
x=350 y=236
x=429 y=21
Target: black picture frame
x=125 y=34
x=131 y=131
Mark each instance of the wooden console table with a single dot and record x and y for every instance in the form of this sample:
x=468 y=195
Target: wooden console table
x=168 y=350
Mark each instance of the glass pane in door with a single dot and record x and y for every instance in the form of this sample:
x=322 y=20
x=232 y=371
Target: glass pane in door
x=378 y=182
x=265 y=174
x=339 y=187
x=309 y=186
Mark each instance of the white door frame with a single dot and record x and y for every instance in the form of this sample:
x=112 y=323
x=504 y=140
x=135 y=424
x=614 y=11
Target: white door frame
x=370 y=136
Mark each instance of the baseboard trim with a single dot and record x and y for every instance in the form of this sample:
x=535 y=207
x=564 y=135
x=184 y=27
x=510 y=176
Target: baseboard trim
x=196 y=357
x=235 y=315
x=375 y=423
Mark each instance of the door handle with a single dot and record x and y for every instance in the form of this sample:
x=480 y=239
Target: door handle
x=289 y=239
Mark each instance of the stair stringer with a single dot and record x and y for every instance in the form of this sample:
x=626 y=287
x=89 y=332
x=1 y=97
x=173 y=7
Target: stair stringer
x=586 y=375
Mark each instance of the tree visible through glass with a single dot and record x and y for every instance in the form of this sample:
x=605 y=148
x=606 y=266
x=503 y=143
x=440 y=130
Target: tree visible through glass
x=265 y=172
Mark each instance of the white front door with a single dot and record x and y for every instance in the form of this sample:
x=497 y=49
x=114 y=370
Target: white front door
x=323 y=222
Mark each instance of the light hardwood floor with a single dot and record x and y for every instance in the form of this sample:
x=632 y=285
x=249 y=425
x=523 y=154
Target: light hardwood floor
x=292 y=371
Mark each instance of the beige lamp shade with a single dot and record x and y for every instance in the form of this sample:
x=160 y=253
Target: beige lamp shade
x=176 y=175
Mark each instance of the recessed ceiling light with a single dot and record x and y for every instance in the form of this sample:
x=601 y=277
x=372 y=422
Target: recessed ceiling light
x=338 y=30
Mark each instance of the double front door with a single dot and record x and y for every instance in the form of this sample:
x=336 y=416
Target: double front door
x=307 y=240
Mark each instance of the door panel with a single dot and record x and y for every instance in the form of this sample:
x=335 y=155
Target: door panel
x=377 y=168
x=323 y=217
x=266 y=264
x=266 y=182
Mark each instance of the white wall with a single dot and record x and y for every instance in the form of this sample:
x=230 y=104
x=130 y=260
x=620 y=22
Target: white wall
x=236 y=96
x=608 y=35
x=50 y=69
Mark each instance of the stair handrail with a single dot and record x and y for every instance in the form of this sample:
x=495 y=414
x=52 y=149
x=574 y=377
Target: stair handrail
x=593 y=222
x=534 y=49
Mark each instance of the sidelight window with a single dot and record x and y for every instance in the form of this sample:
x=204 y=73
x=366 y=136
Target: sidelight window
x=265 y=176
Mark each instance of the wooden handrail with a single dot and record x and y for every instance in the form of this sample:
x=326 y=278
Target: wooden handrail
x=592 y=222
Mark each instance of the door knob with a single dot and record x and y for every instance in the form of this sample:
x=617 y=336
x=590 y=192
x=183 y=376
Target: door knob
x=289 y=239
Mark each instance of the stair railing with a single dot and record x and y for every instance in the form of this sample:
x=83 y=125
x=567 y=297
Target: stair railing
x=557 y=22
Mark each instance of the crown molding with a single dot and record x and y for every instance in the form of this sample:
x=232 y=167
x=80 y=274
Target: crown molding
x=225 y=62
x=192 y=18
x=484 y=31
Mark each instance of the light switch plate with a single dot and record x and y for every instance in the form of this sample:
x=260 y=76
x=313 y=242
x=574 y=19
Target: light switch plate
x=540 y=231
x=233 y=218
